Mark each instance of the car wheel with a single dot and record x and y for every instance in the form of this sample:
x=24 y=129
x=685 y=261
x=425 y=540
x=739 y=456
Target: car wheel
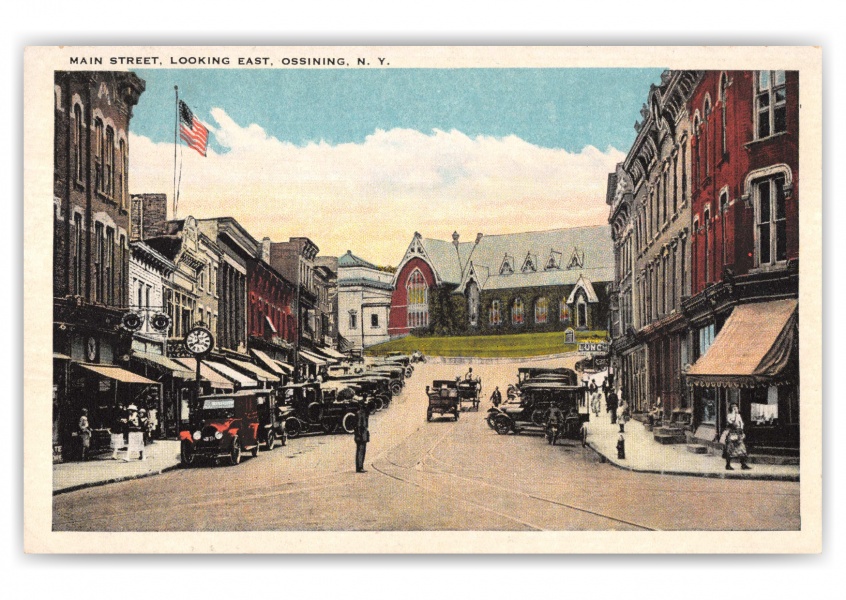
x=348 y=422
x=538 y=416
x=293 y=427
x=377 y=404
x=408 y=372
x=235 y=453
x=386 y=401
x=255 y=450
x=396 y=388
x=490 y=421
x=271 y=440
x=502 y=424
x=186 y=453
x=315 y=412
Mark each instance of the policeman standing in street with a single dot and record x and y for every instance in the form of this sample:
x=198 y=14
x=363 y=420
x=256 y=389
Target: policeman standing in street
x=361 y=434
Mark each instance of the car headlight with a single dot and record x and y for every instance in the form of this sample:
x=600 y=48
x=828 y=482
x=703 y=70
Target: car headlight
x=218 y=435
x=196 y=435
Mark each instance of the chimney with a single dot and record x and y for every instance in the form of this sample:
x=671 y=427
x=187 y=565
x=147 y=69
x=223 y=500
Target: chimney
x=148 y=216
x=265 y=249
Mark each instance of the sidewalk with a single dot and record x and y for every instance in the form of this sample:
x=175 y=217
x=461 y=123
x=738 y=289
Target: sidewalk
x=161 y=456
x=646 y=455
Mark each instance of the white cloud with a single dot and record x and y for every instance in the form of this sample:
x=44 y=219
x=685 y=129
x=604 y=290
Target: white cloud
x=371 y=197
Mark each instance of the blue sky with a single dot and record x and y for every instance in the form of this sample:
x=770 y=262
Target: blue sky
x=552 y=108
x=360 y=159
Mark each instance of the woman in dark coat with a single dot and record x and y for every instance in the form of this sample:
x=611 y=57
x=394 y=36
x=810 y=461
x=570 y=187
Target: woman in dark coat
x=735 y=439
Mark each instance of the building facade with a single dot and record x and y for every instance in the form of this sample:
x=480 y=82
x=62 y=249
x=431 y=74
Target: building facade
x=650 y=198
x=91 y=232
x=272 y=308
x=745 y=256
x=364 y=301
x=538 y=281
x=326 y=278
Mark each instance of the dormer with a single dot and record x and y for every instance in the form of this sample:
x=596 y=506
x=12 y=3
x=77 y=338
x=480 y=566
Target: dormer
x=530 y=263
x=507 y=266
x=554 y=261
x=577 y=260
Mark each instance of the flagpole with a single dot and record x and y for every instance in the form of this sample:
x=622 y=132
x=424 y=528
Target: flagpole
x=175 y=138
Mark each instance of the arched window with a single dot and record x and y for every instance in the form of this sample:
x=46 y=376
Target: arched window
x=581 y=312
x=563 y=312
x=496 y=313
x=517 y=312
x=473 y=303
x=109 y=162
x=541 y=310
x=418 y=300
x=723 y=97
x=707 y=123
x=99 y=144
x=697 y=154
x=78 y=136
x=706 y=218
x=121 y=177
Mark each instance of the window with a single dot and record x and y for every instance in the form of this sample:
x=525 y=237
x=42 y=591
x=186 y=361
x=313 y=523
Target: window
x=541 y=310
x=473 y=303
x=122 y=172
x=664 y=179
x=77 y=257
x=770 y=222
x=771 y=103
x=706 y=121
x=109 y=261
x=122 y=271
x=563 y=312
x=213 y=282
x=98 y=156
x=99 y=259
x=109 y=164
x=682 y=270
x=723 y=215
x=517 y=312
x=764 y=406
x=418 y=300
x=723 y=97
x=581 y=313
x=374 y=320
x=507 y=266
x=675 y=184
x=696 y=152
x=496 y=314
x=684 y=173
x=78 y=136
x=707 y=221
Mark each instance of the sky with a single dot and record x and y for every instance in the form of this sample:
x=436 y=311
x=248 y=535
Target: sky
x=361 y=159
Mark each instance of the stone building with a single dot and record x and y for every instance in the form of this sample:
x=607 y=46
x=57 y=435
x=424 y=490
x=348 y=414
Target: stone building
x=511 y=283
x=364 y=301
x=326 y=271
x=91 y=232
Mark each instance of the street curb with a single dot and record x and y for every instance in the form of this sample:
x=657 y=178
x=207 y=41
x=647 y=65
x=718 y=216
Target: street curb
x=92 y=484
x=451 y=360
x=738 y=476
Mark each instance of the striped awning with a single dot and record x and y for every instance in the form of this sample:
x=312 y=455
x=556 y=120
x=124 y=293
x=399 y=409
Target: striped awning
x=116 y=373
x=163 y=362
x=232 y=374
x=216 y=380
x=268 y=362
x=313 y=358
x=260 y=373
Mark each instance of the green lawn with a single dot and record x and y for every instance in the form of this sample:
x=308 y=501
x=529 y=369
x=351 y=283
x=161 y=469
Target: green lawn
x=486 y=346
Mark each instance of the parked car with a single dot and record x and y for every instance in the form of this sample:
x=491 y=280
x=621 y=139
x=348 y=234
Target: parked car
x=327 y=407
x=443 y=399
x=225 y=426
x=530 y=410
x=563 y=374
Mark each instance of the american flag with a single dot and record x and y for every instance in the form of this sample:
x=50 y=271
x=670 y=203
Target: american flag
x=191 y=130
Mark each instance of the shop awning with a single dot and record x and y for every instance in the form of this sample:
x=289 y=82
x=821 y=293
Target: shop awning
x=216 y=380
x=268 y=362
x=331 y=353
x=118 y=374
x=312 y=358
x=260 y=373
x=59 y=356
x=232 y=374
x=285 y=367
x=163 y=362
x=753 y=348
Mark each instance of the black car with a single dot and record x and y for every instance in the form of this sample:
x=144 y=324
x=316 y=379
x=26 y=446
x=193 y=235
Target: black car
x=530 y=410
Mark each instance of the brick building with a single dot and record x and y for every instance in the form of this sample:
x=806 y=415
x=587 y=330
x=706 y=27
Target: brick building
x=91 y=232
x=745 y=255
x=272 y=325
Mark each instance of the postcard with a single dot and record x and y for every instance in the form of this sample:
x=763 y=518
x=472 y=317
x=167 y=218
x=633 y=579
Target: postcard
x=422 y=300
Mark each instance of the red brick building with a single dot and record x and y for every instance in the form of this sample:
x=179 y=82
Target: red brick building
x=744 y=255
x=271 y=308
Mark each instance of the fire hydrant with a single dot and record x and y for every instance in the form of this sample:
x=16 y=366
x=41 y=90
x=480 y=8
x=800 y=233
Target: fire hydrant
x=621 y=447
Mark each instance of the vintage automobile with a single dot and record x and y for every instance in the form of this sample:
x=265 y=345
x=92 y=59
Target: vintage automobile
x=401 y=359
x=308 y=407
x=530 y=410
x=417 y=356
x=375 y=386
x=469 y=390
x=394 y=372
x=526 y=374
x=224 y=426
x=443 y=399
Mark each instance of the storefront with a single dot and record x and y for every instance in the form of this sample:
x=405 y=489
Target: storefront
x=753 y=361
x=176 y=380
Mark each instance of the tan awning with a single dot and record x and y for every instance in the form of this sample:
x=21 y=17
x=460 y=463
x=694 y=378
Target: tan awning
x=232 y=374
x=118 y=374
x=268 y=362
x=257 y=371
x=285 y=367
x=312 y=358
x=753 y=348
x=332 y=353
x=163 y=362
x=216 y=380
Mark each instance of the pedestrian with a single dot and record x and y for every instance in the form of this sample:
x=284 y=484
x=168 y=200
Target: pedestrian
x=622 y=415
x=655 y=415
x=135 y=439
x=496 y=397
x=144 y=422
x=621 y=447
x=595 y=401
x=118 y=429
x=735 y=445
x=611 y=405
x=361 y=434
x=84 y=434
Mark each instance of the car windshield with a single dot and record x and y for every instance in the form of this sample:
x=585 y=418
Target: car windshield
x=218 y=408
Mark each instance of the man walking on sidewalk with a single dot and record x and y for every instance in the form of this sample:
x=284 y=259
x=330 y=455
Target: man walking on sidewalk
x=361 y=434
x=611 y=406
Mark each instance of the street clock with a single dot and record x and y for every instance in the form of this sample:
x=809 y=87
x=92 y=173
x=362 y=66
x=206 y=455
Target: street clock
x=199 y=341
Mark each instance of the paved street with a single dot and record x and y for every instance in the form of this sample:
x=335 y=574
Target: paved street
x=428 y=476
